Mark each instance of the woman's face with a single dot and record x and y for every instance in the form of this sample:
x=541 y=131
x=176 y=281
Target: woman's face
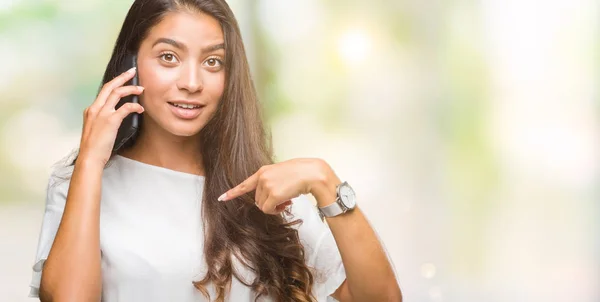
x=181 y=66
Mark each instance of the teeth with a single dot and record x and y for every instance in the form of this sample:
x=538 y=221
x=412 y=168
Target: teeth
x=186 y=106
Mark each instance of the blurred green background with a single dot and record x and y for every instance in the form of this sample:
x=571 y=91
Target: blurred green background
x=469 y=129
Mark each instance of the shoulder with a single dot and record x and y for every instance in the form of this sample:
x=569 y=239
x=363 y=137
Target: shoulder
x=321 y=251
x=60 y=178
x=58 y=183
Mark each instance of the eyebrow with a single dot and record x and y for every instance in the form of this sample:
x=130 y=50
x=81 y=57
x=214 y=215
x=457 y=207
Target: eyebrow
x=180 y=45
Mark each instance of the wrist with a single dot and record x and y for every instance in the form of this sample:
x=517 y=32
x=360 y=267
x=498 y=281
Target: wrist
x=87 y=163
x=324 y=187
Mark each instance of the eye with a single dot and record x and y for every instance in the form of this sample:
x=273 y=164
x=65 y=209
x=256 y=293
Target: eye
x=214 y=62
x=168 y=57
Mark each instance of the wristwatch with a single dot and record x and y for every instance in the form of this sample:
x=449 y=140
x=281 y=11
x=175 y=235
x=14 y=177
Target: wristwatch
x=345 y=201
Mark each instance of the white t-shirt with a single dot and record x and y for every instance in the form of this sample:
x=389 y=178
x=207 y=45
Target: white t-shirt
x=151 y=237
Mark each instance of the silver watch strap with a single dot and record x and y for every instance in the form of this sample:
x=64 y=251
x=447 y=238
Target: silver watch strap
x=333 y=209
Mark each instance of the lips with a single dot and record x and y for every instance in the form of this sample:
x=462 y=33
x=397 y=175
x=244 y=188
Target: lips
x=186 y=111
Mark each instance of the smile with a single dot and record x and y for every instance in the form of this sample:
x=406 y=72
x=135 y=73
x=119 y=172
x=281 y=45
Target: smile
x=186 y=111
x=185 y=106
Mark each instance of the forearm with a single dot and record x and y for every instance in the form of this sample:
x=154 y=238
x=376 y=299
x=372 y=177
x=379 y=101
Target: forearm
x=72 y=270
x=369 y=274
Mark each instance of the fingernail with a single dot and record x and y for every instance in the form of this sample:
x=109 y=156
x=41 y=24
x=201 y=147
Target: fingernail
x=141 y=88
x=131 y=70
x=222 y=197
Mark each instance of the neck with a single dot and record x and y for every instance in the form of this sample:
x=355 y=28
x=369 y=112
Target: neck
x=156 y=146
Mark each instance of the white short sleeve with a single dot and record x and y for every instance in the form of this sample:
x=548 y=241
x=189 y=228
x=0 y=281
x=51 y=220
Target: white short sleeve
x=56 y=196
x=320 y=247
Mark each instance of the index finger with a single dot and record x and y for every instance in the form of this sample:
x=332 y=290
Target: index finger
x=107 y=89
x=246 y=186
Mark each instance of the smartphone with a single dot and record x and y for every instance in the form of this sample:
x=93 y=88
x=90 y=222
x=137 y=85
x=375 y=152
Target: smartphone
x=129 y=126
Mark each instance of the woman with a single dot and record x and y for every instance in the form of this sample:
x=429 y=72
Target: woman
x=193 y=207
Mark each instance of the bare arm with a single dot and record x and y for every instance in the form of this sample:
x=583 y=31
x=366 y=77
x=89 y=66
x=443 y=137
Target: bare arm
x=369 y=275
x=368 y=271
x=72 y=271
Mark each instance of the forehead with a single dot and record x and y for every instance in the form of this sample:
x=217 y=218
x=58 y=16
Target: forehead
x=194 y=29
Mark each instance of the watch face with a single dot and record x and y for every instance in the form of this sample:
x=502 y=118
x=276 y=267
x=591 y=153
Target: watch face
x=347 y=196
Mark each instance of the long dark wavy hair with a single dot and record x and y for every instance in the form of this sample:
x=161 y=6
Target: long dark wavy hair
x=234 y=144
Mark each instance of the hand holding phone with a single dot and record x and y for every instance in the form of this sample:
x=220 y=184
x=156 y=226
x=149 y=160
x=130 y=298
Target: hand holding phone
x=103 y=119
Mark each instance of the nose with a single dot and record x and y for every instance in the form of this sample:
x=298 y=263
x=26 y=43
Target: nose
x=190 y=78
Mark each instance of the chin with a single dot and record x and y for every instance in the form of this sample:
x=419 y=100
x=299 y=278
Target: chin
x=185 y=131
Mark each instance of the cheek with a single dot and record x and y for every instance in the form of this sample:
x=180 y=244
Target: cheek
x=214 y=85
x=156 y=83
